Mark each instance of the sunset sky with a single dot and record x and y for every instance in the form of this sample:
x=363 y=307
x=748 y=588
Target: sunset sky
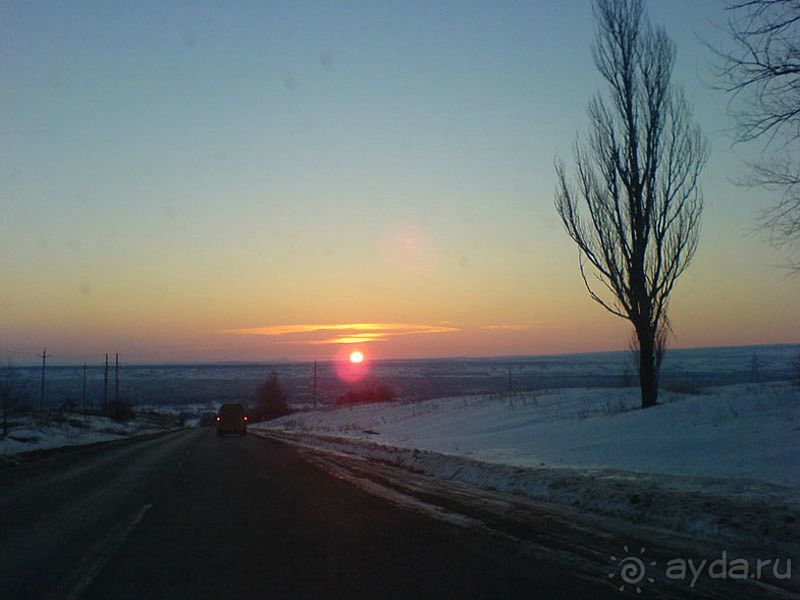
x=197 y=181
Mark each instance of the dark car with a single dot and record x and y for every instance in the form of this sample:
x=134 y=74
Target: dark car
x=232 y=418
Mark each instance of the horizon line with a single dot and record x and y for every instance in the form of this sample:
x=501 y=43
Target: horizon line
x=288 y=361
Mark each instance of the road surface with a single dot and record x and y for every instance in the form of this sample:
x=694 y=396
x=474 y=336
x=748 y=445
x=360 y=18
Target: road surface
x=186 y=515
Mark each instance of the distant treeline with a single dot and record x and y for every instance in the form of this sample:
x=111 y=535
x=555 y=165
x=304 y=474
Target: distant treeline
x=407 y=379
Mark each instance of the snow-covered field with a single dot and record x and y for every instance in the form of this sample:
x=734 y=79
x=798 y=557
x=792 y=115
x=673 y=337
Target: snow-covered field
x=42 y=432
x=742 y=431
x=725 y=458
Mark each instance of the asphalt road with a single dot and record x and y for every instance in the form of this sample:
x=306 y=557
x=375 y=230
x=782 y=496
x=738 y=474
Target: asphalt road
x=188 y=515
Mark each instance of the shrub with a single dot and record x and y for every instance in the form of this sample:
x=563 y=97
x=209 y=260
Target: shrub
x=689 y=387
x=208 y=420
x=121 y=411
x=11 y=392
x=367 y=394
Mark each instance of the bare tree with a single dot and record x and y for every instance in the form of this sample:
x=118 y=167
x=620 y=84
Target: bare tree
x=762 y=72
x=272 y=399
x=634 y=208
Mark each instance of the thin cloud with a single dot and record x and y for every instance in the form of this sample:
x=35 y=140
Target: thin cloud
x=357 y=338
x=510 y=326
x=348 y=333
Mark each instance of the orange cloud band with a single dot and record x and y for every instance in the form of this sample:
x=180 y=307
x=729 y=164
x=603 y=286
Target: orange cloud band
x=352 y=333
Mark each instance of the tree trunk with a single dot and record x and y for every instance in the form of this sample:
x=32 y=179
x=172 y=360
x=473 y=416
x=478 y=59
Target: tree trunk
x=648 y=375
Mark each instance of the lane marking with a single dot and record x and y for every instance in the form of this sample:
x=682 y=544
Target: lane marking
x=101 y=554
x=96 y=559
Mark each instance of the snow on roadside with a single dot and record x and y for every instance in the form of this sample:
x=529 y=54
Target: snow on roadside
x=741 y=431
x=36 y=432
x=723 y=461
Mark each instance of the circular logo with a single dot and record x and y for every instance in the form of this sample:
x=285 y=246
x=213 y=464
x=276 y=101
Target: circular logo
x=632 y=570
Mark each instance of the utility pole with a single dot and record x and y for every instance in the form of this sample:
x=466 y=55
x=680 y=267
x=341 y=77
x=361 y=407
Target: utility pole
x=315 y=385
x=83 y=402
x=105 y=386
x=116 y=380
x=44 y=363
x=754 y=376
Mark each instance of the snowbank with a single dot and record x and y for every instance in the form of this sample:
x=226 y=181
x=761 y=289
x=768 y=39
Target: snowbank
x=41 y=432
x=725 y=461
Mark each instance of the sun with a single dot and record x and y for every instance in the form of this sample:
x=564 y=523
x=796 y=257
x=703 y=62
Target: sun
x=356 y=357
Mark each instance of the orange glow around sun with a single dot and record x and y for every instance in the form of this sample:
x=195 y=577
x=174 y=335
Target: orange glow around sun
x=356 y=357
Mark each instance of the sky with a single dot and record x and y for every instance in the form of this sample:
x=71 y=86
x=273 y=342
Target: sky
x=200 y=182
